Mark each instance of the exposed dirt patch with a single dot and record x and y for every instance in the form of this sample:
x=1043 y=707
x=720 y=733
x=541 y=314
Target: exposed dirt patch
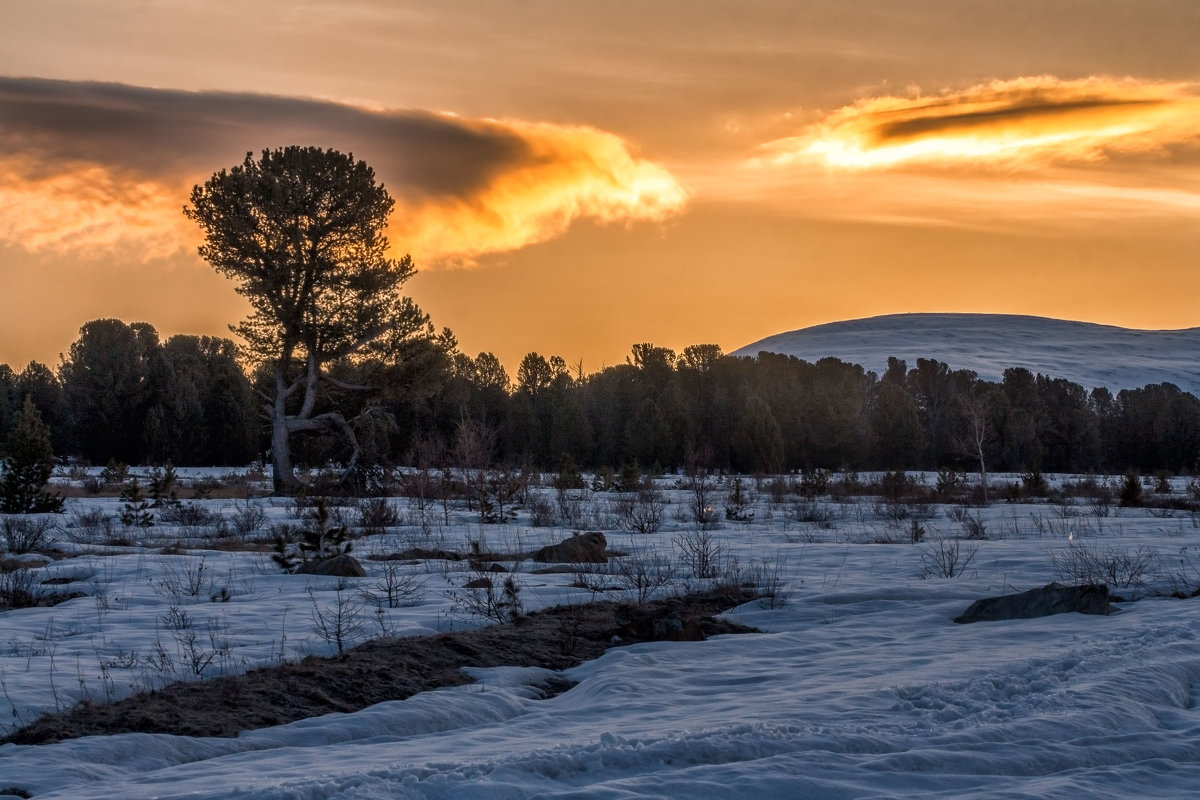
x=392 y=669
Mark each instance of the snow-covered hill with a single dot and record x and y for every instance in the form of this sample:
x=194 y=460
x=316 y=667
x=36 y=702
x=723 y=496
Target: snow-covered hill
x=1083 y=352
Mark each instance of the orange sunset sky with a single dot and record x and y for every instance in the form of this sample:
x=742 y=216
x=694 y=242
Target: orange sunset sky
x=575 y=177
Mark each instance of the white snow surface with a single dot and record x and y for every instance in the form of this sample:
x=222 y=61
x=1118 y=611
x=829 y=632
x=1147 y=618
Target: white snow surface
x=859 y=686
x=1082 y=352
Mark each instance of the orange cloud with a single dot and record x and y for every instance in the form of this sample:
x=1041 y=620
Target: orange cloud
x=567 y=173
x=1015 y=124
x=91 y=210
x=88 y=168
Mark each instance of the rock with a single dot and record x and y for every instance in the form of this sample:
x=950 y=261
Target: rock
x=1053 y=598
x=581 y=548
x=343 y=566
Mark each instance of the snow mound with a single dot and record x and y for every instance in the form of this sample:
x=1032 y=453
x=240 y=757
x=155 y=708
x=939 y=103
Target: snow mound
x=1082 y=352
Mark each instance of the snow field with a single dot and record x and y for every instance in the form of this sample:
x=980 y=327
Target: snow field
x=859 y=686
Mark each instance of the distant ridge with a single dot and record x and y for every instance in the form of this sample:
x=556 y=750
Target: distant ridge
x=1082 y=352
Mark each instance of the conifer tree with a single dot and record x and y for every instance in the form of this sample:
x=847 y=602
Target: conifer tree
x=27 y=465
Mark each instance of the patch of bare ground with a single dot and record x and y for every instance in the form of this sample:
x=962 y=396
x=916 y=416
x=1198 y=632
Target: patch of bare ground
x=393 y=669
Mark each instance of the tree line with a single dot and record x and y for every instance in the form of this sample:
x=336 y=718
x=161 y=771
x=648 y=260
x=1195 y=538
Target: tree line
x=122 y=394
x=338 y=366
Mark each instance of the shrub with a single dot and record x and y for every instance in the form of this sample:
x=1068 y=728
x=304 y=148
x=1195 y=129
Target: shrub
x=1116 y=567
x=946 y=558
x=640 y=512
x=396 y=588
x=973 y=526
x=1131 y=491
x=187 y=514
x=26 y=535
x=22 y=588
x=642 y=574
x=895 y=486
x=480 y=597
x=376 y=514
x=247 y=518
x=814 y=482
x=738 y=502
x=1034 y=484
x=91 y=526
x=699 y=552
x=949 y=482
x=339 y=625
x=541 y=511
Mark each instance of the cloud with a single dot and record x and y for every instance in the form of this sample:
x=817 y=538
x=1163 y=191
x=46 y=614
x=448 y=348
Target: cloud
x=1009 y=125
x=86 y=166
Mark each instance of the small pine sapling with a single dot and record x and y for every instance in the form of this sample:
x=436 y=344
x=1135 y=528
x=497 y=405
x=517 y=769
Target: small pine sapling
x=136 y=510
x=737 y=503
x=164 y=487
x=27 y=465
x=318 y=542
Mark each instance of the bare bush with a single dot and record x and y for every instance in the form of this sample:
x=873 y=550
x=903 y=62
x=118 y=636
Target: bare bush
x=480 y=597
x=700 y=553
x=946 y=558
x=812 y=512
x=640 y=512
x=340 y=625
x=777 y=490
x=376 y=515
x=1118 y=568
x=702 y=503
x=541 y=511
x=27 y=534
x=766 y=579
x=396 y=588
x=183 y=580
x=197 y=653
x=186 y=514
x=22 y=588
x=247 y=518
x=570 y=502
x=973 y=526
x=642 y=574
x=91 y=526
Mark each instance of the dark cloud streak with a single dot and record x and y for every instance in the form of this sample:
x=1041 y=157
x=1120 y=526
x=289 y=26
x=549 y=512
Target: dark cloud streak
x=1028 y=111
x=157 y=134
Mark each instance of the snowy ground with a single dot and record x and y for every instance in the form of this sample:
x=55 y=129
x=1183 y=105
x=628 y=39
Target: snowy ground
x=859 y=686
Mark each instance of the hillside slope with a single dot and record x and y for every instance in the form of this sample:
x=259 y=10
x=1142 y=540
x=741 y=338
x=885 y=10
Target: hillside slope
x=1083 y=352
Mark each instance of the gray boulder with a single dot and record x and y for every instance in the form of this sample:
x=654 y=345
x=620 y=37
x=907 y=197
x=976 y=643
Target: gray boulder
x=343 y=566
x=581 y=548
x=1053 y=598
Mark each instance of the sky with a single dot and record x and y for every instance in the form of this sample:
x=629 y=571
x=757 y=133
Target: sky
x=572 y=178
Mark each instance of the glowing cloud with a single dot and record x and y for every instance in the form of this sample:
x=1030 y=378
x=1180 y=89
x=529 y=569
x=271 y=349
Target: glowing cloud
x=566 y=173
x=89 y=168
x=90 y=210
x=1016 y=124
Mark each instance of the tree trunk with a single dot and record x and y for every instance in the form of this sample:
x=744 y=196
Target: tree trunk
x=283 y=477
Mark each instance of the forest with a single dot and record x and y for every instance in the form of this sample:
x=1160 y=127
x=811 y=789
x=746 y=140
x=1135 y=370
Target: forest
x=121 y=394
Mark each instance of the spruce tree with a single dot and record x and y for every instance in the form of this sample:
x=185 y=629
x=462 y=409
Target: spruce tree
x=27 y=465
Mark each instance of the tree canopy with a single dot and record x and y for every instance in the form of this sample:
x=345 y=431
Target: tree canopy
x=301 y=230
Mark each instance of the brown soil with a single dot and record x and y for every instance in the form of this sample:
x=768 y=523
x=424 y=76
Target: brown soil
x=391 y=669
